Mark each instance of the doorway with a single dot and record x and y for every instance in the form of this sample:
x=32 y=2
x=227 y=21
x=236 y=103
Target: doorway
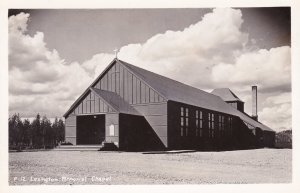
x=90 y=129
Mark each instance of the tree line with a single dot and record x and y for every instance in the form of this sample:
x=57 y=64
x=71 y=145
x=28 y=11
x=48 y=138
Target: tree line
x=38 y=134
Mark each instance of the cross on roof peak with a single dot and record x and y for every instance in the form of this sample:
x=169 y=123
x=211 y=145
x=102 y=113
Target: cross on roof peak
x=116 y=52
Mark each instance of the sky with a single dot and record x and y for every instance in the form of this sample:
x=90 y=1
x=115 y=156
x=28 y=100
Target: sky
x=54 y=55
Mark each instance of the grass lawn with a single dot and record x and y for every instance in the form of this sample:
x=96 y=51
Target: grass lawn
x=71 y=167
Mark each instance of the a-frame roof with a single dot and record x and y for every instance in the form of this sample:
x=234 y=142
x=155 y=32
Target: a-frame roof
x=177 y=91
x=226 y=94
x=88 y=89
x=73 y=106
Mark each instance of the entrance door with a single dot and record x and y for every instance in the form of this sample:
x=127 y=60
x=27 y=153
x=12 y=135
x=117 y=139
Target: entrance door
x=90 y=129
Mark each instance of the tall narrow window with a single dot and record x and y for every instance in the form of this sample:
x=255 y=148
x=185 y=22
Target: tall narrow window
x=209 y=125
x=199 y=123
x=181 y=121
x=212 y=125
x=184 y=121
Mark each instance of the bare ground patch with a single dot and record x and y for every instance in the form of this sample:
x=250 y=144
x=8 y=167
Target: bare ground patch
x=247 y=166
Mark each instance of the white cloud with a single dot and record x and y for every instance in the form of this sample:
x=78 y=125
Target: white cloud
x=217 y=37
x=265 y=68
x=39 y=80
x=211 y=52
x=278 y=116
x=97 y=63
x=281 y=98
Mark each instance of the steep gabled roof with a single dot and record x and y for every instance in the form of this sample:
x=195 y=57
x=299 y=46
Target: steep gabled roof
x=170 y=90
x=226 y=94
x=177 y=91
x=115 y=101
x=88 y=89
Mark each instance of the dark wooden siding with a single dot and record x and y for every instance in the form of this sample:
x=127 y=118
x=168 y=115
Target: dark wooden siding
x=137 y=135
x=237 y=105
x=264 y=138
x=220 y=137
x=269 y=139
x=130 y=87
x=91 y=104
x=156 y=115
x=70 y=135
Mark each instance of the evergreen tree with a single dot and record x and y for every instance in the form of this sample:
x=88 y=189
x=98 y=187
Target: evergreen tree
x=56 y=130
x=36 y=132
x=27 y=141
x=45 y=131
x=16 y=133
x=11 y=129
x=61 y=130
x=48 y=133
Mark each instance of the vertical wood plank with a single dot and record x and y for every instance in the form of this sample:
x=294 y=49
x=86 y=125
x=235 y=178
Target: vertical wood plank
x=97 y=105
x=126 y=87
x=117 y=78
x=130 y=88
x=121 y=81
x=147 y=94
x=113 y=78
x=88 y=103
x=155 y=97
x=101 y=106
x=134 y=90
x=104 y=86
x=80 y=108
x=138 y=91
x=160 y=99
x=143 y=93
x=105 y=108
x=84 y=106
x=151 y=96
x=92 y=102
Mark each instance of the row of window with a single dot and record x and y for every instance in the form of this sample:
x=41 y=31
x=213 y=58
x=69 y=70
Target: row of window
x=213 y=122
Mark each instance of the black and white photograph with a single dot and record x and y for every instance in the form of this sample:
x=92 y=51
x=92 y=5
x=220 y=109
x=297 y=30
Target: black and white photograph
x=150 y=96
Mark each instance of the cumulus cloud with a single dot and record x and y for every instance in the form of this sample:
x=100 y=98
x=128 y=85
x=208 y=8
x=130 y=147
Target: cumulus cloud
x=265 y=68
x=39 y=79
x=191 y=53
x=97 y=63
x=277 y=112
x=213 y=52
